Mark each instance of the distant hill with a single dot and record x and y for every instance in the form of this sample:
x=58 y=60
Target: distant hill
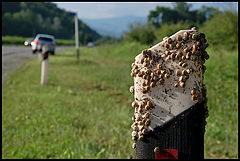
x=113 y=26
x=26 y=19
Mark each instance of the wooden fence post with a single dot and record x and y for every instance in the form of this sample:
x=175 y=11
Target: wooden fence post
x=170 y=104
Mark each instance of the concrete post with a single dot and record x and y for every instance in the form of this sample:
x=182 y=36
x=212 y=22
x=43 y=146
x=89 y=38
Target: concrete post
x=44 y=66
x=170 y=98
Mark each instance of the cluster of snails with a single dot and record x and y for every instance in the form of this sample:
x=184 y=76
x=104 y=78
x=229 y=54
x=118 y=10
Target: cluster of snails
x=152 y=74
x=150 y=71
x=182 y=75
x=194 y=52
x=195 y=93
x=176 y=50
x=141 y=117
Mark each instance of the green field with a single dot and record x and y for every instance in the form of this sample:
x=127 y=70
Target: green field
x=18 y=41
x=84 y=111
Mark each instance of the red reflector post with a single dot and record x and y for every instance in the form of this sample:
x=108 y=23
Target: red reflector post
x=167 y=154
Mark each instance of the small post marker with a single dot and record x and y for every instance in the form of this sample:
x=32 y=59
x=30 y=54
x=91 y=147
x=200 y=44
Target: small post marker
x=44 y=65
x=39 y=57
x=76 y=36
x=76 y=33
x=170 y=104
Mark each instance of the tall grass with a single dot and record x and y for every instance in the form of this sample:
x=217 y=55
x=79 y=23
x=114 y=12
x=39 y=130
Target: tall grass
x=84 y=111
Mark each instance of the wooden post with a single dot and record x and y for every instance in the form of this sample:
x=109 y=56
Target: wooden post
x=170 y=104
x=77 y=50
x=44 y=66
x=39 y=57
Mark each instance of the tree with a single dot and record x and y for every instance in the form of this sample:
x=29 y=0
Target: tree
x=162 y=15
x=140 y=33
x=205 y=13
x=222 y=29
x=28 y=18
x=56 y=24
x=154 y=17
x=10 y=7
x=181 y=12
x=182 y=8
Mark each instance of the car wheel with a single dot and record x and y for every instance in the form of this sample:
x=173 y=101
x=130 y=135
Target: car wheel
x=34 y=51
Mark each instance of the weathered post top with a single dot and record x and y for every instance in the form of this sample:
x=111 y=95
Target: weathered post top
x=45 y=52
x=168 y=80
x=44 y=65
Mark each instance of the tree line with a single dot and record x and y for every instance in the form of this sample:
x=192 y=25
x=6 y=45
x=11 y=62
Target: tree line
x=221 y=27
x=27 y=19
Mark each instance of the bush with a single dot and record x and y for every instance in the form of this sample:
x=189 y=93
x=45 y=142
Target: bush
x=169 y=29
x=13 y=40
x=222 y=29
x=107 y=39
x=61 y=42
x=17 y=40
x=140 y=33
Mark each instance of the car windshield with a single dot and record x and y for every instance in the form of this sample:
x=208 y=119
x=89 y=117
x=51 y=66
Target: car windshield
x=45 y=39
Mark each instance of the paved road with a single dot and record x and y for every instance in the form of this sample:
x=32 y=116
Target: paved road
x=14 y=56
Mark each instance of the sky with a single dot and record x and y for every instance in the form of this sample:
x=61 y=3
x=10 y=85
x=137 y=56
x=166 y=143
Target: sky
x=98 y=10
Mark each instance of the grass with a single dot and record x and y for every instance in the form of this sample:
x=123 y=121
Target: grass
x=17 y=40
x=84 y=111
x=221 y=79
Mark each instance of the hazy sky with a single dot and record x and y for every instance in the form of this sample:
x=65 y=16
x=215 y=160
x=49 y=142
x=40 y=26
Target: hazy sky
x=96 y=10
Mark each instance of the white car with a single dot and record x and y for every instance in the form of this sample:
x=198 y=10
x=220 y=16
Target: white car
x=43 y=39
x=90 y=44
x=28 y=42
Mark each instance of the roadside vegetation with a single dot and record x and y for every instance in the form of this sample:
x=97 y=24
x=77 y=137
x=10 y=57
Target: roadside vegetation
x=26 y=19
x=85 y=109
x=19 y=41
x=220 y=27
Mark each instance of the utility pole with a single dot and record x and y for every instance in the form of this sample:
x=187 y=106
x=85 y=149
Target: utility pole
x=76 y=36
x=170 y=103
